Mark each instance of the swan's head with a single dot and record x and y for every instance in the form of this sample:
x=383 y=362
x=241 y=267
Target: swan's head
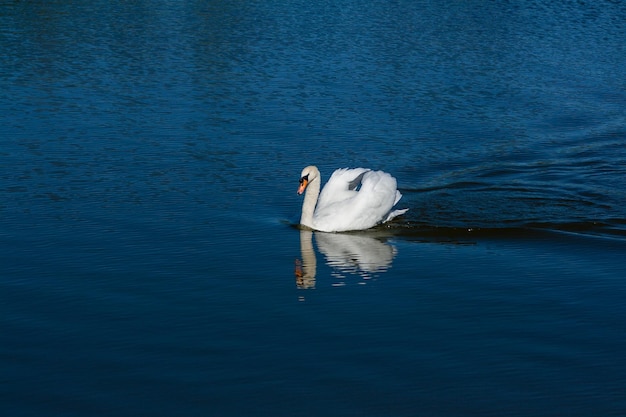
x=309 y=174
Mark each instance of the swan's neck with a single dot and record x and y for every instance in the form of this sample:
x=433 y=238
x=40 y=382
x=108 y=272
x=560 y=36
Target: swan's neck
x=310 y=201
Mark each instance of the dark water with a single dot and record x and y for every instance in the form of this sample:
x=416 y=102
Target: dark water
x=150 y=153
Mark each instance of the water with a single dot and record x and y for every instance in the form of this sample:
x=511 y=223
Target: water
x=150 y=154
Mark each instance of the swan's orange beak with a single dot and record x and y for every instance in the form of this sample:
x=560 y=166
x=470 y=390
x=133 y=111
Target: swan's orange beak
x=303 y=183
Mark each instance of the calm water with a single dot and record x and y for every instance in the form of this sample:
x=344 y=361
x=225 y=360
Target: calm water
x=149 y=158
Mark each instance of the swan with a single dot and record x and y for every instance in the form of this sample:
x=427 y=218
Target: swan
x=353 y=199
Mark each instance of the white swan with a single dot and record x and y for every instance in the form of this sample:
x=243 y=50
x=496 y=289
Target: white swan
x=353 y=199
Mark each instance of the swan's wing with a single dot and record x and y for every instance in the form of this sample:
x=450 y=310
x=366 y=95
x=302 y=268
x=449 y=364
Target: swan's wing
x=362 y=209
x=341 y=185
x=377 y=196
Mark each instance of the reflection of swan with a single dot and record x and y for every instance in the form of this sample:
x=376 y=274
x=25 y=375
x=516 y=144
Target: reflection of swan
x=345 y=253
x=353 y=199
x=355 y=254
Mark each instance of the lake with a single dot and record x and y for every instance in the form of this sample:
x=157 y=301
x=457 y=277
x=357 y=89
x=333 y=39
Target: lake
x=151 y=261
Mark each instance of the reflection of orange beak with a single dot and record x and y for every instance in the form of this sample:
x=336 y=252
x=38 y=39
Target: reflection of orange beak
x=303 y=183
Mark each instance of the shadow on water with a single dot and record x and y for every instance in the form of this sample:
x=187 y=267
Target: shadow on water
x=412 y=230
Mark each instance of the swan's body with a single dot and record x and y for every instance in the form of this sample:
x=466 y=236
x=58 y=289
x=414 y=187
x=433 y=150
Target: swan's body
x=353 y=199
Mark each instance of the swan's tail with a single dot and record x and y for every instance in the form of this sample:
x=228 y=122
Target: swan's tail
x=398 y=197
x=394 y=214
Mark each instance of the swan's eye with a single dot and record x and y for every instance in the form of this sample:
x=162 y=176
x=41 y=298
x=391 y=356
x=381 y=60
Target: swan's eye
x=304 y=179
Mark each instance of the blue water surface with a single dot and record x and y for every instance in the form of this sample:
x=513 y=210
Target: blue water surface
x=149 y=159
